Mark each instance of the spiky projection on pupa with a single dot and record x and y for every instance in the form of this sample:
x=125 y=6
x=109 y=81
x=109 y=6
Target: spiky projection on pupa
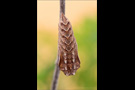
x=69 y=61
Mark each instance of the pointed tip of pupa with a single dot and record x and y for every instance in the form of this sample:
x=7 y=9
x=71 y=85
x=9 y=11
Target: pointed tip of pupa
x=62 y=14
x=63 y=18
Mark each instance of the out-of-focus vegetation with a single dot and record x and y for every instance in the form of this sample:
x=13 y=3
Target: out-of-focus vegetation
x=86 y=77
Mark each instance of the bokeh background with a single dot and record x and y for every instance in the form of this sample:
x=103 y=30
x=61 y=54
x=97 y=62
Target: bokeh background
x=83 y=17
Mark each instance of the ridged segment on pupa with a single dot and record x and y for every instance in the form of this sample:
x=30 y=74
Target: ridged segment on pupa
x=69 y=61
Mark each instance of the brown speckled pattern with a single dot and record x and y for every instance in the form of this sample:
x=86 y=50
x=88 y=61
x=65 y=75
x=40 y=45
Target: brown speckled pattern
x=67 y=48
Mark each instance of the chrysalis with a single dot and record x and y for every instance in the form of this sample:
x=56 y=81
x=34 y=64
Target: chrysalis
x=69 y=61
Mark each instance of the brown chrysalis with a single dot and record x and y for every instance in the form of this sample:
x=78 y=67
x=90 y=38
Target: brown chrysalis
x=69 y=61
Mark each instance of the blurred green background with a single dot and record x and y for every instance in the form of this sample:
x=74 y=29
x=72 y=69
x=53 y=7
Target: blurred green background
x=85 y=32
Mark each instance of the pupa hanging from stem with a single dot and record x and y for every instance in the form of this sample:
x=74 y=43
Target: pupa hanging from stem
x=69 y=61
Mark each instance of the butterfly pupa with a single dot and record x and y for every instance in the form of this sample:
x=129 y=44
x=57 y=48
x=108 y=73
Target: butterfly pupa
x=69 y=60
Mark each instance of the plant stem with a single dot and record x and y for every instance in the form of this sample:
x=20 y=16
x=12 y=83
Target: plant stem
x=56 y=72
x=62 y=6
x=55 y=76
